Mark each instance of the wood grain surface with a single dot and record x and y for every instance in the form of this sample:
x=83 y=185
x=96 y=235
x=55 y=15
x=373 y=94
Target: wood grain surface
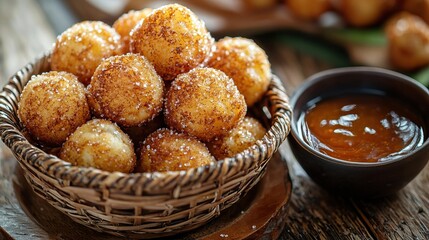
x=312 y=213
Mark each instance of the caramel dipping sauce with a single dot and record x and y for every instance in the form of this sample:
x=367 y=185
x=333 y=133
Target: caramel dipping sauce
x=361 y=128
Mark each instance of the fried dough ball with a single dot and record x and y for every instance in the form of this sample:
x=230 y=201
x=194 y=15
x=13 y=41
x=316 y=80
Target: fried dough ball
x=173 y=39
x=408 y=37
x=100 y=144
x=52 y=106
x=80 y=49
x=246 y=63
x=238 y=139
x=166 y=150
x=360 y=13
x=127 y=90
x=204 y=103
x=125 y=23
x=308 y=9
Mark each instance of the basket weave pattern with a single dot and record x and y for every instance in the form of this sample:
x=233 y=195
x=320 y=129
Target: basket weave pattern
x=142 y=204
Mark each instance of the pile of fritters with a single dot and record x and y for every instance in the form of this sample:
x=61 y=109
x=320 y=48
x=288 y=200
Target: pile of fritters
x=148 y=94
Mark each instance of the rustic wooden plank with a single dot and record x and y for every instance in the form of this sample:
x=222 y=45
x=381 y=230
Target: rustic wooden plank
x=404 y=215
x=24 y=35
x=316 y=214
x=60 y=16
x=12 y=218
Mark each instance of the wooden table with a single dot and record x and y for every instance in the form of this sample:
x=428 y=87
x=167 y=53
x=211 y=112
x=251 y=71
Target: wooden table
x=313 y=213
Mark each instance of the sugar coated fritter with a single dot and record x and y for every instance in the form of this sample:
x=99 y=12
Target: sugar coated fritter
x=246 y=63
x=173 y=39
x=100 y=144
x=127 y=90
x=167 y=150
x=126 y=22
x=204 y=103
x=238 y=139
x=80 y=49
x=52 y=106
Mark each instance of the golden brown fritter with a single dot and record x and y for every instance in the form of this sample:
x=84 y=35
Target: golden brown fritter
x=126 y=22
x=52 y=106
x=80 y=49
x=246 y=63
x=238 y=139
x=167 y=150
x=204 y=103
x=100 y=144
x=408 y=37
x=173 y=39
x=127 y=90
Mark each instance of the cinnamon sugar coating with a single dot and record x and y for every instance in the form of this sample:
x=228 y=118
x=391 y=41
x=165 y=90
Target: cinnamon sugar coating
x=52 y=106
x=246 y=63
x=100 y=144
x=204 y=103
x=80 y=49
x=167 y=150
x=173 y=39
x=238 y=139
x=127 y=90
x=126 y=22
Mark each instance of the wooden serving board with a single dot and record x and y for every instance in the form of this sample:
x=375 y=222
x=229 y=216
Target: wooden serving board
x=260 y=214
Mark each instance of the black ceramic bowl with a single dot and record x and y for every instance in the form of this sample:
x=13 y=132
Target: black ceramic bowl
x=360 y=179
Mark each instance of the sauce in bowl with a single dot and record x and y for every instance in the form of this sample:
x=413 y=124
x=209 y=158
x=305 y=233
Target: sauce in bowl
x=361 y=128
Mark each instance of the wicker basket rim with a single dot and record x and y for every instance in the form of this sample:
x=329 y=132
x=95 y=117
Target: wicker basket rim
x=14 y=139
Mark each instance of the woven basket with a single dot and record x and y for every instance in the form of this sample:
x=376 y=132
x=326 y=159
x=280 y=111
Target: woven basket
x=143 y=205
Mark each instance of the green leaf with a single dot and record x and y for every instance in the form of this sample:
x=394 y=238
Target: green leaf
x=365 y=36
x=314 y=46
x=422 y=76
